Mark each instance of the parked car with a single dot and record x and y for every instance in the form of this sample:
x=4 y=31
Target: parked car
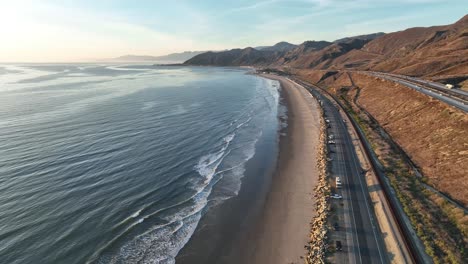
x=331 y=142
x=338 y=245
x=336 y=196
x=335 y=226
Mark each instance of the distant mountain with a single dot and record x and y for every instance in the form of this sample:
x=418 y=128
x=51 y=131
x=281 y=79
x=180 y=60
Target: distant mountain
x=180 y=57
x=280 y=46
x=236 y=57
x=173 y=57
x=134 y=58
x=363 y=37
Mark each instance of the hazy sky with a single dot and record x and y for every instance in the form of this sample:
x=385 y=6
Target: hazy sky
x=66 y=30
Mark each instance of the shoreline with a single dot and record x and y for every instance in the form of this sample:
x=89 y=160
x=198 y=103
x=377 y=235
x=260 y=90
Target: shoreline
x=270 y=220
x=283 y=228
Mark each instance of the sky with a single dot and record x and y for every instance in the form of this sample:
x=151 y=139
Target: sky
x=87 y=30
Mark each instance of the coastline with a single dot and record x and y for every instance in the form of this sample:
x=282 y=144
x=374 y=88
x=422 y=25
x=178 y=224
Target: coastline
x=282 y=230
x=269 y=222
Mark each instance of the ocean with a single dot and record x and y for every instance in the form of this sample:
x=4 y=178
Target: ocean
x=105 y=163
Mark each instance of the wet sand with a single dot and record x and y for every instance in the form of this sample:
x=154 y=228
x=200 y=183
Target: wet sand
x=269 y=222
x=283 y=228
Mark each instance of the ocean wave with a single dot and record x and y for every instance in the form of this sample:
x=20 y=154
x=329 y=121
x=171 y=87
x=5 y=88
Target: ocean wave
x=243 y=123
x=148 y=105
x=208 y=164
x=136 y=214
x=161 y=243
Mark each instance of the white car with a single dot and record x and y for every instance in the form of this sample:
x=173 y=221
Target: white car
x=336 y=196
x=331 y=142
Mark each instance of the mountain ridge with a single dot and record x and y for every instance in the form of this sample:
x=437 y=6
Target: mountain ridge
x=417 y=51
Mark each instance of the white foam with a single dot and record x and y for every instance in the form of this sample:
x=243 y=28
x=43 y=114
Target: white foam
x=162 y=243
x=123 y=68
x=137 y=213
x=148 y=105
x=208 y=164
x=158 y=246
x=229 y=138
x=243 y=123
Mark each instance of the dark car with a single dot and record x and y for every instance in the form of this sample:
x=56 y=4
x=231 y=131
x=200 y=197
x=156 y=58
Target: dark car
x=335 y=226
x=338 y=245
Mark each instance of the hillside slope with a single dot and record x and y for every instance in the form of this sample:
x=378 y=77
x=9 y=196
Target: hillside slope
x=236 y=57
x=282 y=46
x=432 y=133
x=419 y=51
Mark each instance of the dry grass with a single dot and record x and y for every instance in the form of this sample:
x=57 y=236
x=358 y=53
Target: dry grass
x=427 y=130
x=431 y=133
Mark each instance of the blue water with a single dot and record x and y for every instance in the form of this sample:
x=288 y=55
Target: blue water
x=118 y=163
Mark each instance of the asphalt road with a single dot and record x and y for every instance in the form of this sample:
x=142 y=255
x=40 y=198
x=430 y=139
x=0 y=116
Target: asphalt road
x=366 y=244
x=430 y=84
x=425 y=90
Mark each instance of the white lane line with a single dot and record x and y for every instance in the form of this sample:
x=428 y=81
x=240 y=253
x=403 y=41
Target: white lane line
x=343 y=171
x=365 y=197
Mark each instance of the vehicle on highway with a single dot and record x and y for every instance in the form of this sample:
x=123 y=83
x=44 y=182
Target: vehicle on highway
x=336 y=196
x=338 y=245
x=331 y=142
x=338 y=182
x=335 y=226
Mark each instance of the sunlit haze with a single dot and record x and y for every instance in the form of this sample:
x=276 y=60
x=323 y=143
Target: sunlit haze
x=60 y=31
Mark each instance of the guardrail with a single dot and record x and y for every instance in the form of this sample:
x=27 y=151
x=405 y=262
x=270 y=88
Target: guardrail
x=395 y=207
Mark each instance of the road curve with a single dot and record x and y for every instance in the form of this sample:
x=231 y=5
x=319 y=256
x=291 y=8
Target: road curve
x=423 y=88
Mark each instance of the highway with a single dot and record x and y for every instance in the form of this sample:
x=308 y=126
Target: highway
x=364 y=243
x=455 y=98
x=435 y=85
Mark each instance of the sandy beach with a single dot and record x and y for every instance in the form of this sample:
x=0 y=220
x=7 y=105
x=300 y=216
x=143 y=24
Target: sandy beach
x=283 y=228
x=275 y=227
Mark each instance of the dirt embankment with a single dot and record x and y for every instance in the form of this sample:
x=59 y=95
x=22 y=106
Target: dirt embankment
x=432 y=133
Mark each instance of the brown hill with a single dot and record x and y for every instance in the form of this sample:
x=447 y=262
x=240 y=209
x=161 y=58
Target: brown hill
x=280 y=46
x=236 y=57
x=321 y=58
x=419 y=51
x=432 y=133
x=416 y=51
x=364 y=37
